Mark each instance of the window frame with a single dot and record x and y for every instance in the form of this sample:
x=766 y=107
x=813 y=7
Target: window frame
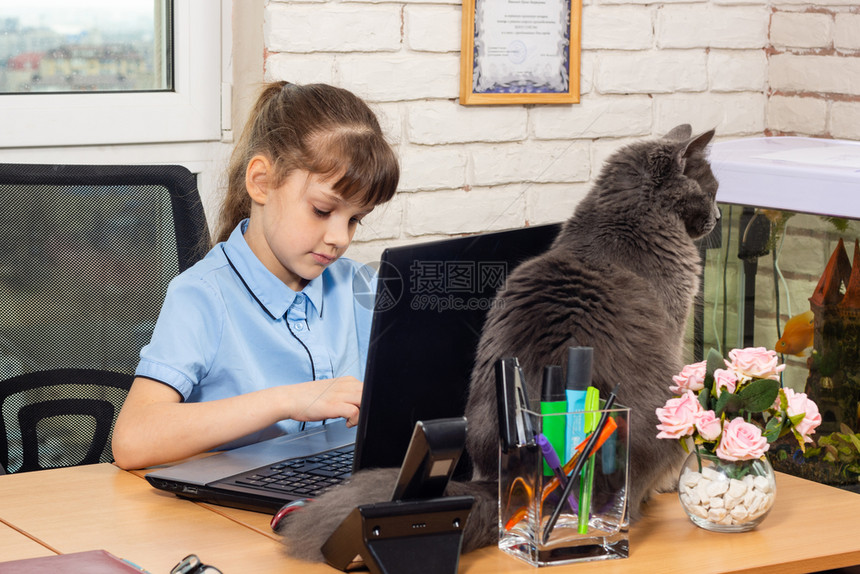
x=189 y=113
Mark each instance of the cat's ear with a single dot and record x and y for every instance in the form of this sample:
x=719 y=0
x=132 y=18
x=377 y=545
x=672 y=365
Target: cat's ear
x=680 y=133
x=697 y=144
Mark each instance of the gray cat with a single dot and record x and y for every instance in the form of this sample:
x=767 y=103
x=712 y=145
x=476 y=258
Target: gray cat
x=621 y=278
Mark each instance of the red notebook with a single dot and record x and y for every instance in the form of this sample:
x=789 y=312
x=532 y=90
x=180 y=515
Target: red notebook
x=91 y=562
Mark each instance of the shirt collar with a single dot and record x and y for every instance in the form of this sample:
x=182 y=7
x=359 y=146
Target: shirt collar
x=269 y=291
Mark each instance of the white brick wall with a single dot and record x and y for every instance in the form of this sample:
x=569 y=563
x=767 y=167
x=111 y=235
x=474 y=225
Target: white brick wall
x=795 y=114
x=710 y=26
x=813 y=73
x=801 y=30
x=814 y=69
x=745 y=67
x=846 y=34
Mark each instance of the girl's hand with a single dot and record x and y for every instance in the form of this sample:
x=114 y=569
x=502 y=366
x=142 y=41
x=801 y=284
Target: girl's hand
x=325 y=399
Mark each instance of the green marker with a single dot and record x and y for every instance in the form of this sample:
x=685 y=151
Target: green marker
x=553 y=402
x=586 y=482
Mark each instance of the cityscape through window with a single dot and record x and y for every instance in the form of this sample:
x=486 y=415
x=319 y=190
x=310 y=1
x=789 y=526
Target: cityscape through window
x=58 y=46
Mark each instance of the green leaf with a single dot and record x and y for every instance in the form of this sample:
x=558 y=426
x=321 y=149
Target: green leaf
x=728 y=403
x=759 y=395
x=795 y=420
x=773 y=429
x=705 y=395
x=715 y=361
x=855 y=441
x=800 y=441
x=812 y=452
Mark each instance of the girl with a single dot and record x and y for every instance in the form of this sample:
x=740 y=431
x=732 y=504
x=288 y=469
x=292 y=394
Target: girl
x=264 y=334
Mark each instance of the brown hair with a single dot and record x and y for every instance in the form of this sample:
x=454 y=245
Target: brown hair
x=316 y=127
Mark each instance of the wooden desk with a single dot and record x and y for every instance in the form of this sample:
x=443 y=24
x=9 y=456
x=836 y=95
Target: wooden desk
x=812 y=527
x=15 y=545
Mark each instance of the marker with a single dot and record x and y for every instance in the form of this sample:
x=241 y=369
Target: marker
x=579 y=361
x=592 y=406
x=552 y=403
x=552 y=461
x=590 y=448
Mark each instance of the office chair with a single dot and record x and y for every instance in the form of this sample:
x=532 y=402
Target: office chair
x=86 y=253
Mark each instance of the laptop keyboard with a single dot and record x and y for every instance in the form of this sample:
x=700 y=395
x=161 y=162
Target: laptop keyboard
x=303 y=477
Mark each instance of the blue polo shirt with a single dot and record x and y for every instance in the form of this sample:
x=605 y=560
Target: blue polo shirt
x=228 y=326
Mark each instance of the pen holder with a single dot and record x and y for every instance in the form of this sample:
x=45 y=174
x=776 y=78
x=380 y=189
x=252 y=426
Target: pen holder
x=593 y=523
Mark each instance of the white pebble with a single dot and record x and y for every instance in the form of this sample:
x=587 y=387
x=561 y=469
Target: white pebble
x=711 y=474
x=693 y=496
x=739 y=513
x=737 y=488
x=756 y=507
x=717 y=488
x=730 y=501
x=699 y=510
x=690 y=479
x=762 y=484
x=702 y=489
x=716 y=514
x=710 y=496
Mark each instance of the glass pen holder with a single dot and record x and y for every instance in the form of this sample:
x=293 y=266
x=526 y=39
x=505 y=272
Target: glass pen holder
x=593 y=521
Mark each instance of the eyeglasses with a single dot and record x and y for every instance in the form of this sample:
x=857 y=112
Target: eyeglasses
x=191 y=564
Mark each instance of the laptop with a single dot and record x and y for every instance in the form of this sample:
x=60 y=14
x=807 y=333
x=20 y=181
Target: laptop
x=430 y=301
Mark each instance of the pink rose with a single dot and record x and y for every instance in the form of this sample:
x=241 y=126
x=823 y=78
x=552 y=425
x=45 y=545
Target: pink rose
x=691 y=378
x=725 y=379
x=708 y=425
x=755 y=363
x=678 y=417
x=741 y=441
x=799 y=403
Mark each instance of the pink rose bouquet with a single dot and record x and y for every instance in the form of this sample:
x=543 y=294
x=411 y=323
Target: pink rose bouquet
x=734 y=409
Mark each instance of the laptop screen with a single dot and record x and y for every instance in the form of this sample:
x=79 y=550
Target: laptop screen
x=431 y=301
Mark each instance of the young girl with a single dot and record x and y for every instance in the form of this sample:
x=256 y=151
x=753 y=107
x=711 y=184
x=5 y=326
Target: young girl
x=264 y=333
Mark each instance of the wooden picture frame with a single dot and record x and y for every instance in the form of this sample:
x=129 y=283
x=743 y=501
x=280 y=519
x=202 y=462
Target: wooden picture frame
x=506 y=53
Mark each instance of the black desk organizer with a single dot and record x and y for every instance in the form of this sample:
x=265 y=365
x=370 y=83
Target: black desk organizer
x=419 y=531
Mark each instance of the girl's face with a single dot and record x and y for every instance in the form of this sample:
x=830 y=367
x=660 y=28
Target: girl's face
x=301 y=227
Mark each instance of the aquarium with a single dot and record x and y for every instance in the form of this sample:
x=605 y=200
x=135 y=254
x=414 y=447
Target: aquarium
x=782 y=271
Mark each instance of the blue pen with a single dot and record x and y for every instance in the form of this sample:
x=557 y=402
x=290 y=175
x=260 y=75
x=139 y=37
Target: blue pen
x=554 y=463
x=579 y=361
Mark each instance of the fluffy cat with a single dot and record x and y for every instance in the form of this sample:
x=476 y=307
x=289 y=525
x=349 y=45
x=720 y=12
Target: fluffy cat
x=621 y=278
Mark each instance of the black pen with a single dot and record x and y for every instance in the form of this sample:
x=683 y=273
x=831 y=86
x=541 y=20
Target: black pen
x=586 y=454
x=506 y=397
x=528 y=433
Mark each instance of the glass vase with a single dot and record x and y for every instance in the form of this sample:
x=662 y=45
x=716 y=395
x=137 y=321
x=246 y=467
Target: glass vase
x=726 y=496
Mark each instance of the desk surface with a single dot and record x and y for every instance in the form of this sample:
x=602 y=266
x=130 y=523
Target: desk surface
x=811 y=527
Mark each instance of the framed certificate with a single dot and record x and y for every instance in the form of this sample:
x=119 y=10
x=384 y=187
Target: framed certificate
x=520 y=52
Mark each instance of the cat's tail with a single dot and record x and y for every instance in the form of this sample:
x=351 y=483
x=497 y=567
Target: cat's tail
x=306 y=530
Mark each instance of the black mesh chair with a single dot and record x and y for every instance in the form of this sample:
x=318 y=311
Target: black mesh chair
x=86 y=253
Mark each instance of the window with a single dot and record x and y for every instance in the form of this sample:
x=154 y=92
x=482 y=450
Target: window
x=110 y=86
x=85 y=46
